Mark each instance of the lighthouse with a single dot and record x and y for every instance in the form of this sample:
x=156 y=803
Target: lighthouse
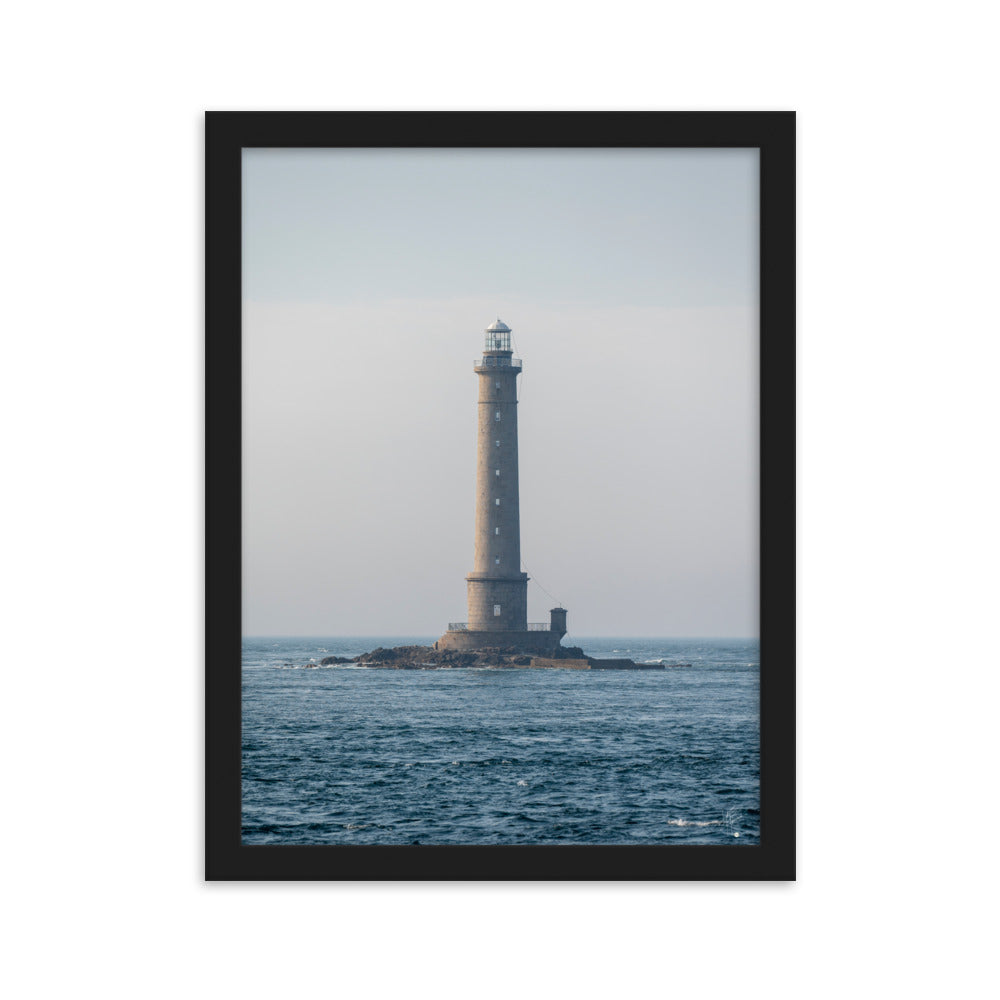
x=497 y=588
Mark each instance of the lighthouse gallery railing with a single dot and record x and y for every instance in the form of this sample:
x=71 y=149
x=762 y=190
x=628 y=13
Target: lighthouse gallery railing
x=532 y=627
x=494 y=362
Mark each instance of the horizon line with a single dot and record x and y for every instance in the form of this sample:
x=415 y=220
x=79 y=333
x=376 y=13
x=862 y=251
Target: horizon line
x=415 y=635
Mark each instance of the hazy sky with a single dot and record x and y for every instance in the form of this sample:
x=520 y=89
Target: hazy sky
x=629 y=278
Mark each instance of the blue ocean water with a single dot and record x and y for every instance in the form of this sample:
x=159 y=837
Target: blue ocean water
x=353 y=755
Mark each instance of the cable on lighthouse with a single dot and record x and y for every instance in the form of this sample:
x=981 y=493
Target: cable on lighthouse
x=540 y=587
x=519 y=385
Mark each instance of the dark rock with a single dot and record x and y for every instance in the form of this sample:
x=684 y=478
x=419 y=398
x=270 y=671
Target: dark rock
x=329 y=660
x=429 y=658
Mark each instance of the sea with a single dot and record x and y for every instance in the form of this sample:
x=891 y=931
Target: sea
x=357 y=755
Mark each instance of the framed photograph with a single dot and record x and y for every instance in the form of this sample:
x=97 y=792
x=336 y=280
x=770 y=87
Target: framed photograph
x=500 y=476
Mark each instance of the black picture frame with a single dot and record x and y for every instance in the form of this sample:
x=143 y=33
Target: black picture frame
x=227 y=134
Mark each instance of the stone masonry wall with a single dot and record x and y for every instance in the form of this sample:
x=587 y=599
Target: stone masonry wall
x=496 y=578
x=529 y=642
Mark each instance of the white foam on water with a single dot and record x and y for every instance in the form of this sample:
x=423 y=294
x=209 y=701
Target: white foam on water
x=693 y=822
x=522 y=783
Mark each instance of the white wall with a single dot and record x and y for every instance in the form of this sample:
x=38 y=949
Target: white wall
x=102 y=302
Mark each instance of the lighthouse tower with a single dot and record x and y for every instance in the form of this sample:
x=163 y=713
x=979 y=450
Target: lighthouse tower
x=497 y=589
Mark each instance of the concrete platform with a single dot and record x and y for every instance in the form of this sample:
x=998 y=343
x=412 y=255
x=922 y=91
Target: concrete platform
x=549 y=663
x=624 y=665
x=523 y=642
x=542 y=662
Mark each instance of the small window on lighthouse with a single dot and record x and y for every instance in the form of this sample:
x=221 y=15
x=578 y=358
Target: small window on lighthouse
x=497 y=561
x=496 y=610
x=496 y=530
x=498 y=385
x=498 y=501
x=497 y=471
x=498 y=444
x=497 y=417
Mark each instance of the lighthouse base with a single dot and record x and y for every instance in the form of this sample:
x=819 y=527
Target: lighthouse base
x=507 y=639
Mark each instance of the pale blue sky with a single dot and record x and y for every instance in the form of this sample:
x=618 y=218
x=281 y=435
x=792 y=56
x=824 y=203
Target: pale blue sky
x=586 y=227
x=629 y=279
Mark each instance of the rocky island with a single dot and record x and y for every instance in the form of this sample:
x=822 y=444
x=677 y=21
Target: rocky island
x=500 y=657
